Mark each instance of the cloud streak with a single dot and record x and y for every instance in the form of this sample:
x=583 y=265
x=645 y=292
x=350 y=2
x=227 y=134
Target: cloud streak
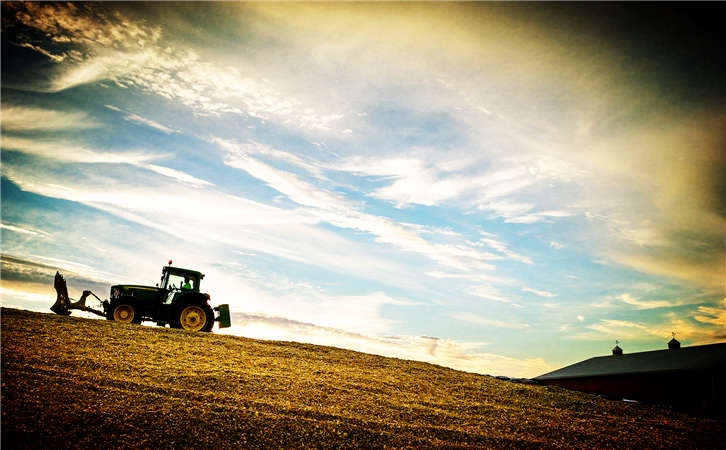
x=465 y=356
x=23 y=118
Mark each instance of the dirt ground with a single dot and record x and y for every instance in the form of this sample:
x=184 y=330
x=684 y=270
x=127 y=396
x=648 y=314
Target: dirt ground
x=72 y=382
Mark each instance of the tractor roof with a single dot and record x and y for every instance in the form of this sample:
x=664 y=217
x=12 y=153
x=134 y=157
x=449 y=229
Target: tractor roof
x=181 y=270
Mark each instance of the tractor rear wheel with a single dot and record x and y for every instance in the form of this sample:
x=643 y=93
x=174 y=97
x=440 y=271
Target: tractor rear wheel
x=195 y=317
x=125 y=313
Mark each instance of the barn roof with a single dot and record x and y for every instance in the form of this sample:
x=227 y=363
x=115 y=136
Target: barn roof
x=686 y=358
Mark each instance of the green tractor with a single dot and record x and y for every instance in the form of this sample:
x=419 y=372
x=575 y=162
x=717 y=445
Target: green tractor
x=176 y=301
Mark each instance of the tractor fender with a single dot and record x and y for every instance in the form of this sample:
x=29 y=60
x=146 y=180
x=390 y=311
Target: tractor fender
x=183 y=298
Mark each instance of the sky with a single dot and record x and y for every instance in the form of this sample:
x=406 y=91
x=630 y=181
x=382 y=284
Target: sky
x=499 y=188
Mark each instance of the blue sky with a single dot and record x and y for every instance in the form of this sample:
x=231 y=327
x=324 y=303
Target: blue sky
x=502 y=189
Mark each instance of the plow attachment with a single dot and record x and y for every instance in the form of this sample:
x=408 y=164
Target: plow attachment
x=63 y=304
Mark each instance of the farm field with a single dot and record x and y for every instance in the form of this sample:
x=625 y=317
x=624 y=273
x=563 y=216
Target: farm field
x=73 y=382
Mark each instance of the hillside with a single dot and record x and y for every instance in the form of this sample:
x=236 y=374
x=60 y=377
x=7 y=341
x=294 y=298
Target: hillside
x=76 y=382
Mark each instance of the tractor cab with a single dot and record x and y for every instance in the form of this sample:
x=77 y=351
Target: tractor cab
x=176 y=278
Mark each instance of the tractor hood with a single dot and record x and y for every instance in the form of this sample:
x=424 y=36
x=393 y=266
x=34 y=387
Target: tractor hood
x=134 y=290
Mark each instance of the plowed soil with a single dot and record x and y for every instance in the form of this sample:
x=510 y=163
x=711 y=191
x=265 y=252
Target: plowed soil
x=72 y=382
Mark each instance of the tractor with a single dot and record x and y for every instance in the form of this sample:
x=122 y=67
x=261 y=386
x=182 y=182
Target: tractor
x=175 y=301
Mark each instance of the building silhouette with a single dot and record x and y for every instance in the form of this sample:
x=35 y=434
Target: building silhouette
x=687 y=378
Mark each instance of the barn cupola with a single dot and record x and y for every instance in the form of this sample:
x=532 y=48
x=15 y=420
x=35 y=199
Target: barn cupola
x=617 y=350
x=673 y=344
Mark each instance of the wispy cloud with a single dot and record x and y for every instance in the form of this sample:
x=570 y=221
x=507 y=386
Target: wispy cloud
x=72 y=23
x=702 y=325
x=467 y=356
x=489 y=292
x=621 y=329
x=338 y=211
x=476 y=277
x=51 y=56
x=216 y=217
x=25 y=118
x=712 y=315
x=645 y=304
x=131 y=54
x=74 y=153
x=141 y=120
x=503 y=249
x=177 y=175
x=538 y=292
x=481 y=320
x=26 y=273
x=24 y=230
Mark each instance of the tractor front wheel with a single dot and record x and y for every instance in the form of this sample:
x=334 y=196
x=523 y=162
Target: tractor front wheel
x=195 y=317
x=126 y=313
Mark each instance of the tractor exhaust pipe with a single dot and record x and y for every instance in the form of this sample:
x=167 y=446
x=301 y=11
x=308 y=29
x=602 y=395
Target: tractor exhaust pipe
x=63 y=304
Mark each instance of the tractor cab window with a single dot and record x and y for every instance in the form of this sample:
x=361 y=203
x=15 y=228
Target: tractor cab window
x=179 y=281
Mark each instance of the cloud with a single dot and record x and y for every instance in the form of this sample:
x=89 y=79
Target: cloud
x=142 y=120
x=51 y=56
x=503 y=249
x=36 y=276
x=257 y=148
x=680 y=263
x=217 y=218
x=646 y=304
x=413 y=183
x=25 y=118
x=540 y=293
x=536 y=217
x=340 y=212
x=703 y=325
x=459 y=355
x=134 y=54
x=82 y=24
x=676 y=228
x=73 y=153
x=177 y=175
x=621 y=329
x=712 y=315
x=489 y=292
x=481 y=320
x=427 y=180
x=477 y=277
x=24 y=230
x=430 y=229
x=556 y=245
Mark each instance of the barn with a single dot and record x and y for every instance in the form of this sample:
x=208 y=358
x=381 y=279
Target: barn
x=687 y=378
